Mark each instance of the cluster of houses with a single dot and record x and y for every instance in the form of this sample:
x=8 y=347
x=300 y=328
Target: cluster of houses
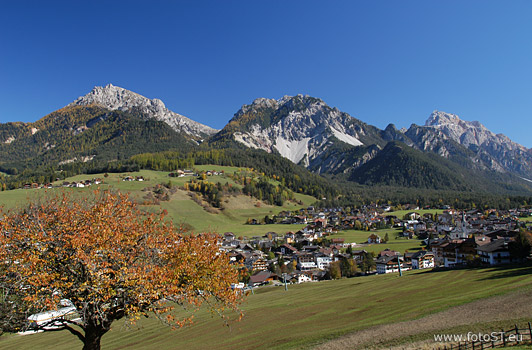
x=83 y=183
x=450 y=239
x=133 y=178
x=188 y=172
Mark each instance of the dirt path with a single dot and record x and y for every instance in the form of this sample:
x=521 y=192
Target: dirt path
x=506 y=307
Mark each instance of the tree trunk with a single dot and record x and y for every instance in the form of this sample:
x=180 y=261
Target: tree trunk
x=93 y=337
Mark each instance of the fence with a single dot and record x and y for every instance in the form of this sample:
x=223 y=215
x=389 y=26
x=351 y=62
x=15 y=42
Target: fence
x=497 y=339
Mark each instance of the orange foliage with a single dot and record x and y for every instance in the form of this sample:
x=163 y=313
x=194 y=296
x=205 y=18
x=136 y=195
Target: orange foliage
x=112 y=261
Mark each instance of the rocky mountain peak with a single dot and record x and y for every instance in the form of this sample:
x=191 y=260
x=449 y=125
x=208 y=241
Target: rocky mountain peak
x=438 y=118
x=496 y=150
x=116 y=98
x=465 y=132
x=298 y=127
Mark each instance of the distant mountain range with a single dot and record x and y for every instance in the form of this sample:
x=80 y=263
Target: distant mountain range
x=111 y=123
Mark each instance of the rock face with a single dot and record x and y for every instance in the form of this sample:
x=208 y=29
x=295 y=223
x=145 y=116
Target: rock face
x=468 y=133
x=496 y=151
x=325 y=140
x=116 y=98
x=299 y=128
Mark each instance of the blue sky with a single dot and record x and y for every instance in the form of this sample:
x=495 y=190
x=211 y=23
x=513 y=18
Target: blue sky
x=380 y=61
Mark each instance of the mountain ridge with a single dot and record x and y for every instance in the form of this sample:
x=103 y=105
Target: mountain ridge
x=117 y=98
x=497 y=151
x=300 y=128
x=296 y=127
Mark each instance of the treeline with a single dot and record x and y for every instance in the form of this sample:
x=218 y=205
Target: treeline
x=293 y=177
x=165 y=161
x=358 y=195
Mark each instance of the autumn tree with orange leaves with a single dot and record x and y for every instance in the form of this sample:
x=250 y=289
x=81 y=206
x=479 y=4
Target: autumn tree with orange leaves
x=112 y=261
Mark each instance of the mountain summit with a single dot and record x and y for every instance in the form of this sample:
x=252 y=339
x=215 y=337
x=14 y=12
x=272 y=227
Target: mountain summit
x=116 y=98
x=299 y=128
x=496 y=150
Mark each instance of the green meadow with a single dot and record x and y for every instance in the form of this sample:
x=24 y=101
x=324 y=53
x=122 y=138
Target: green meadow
x=181 y=209
x=401 y=213
x=394 y=243
x=307 y=314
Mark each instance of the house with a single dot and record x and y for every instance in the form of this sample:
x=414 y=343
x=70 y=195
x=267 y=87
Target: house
x=388 y=252
x=466 y=251
x=290 y=237
x=445 y=218
x=300 y=219
x=310 y=248
x=305 y=262
x=337 y=241
x=422 y=260
x=245 y=247
x=389 y=264
x=449 y=254
x=322 y=261
x=496 y=252
x=437 y=247
x=358 y=255
x=259 y=264
x=373 y=238
x=413 y=216
x=235 y=257
x=287 y=249
x=262 y=277
x=229 y=236
x=303 y=277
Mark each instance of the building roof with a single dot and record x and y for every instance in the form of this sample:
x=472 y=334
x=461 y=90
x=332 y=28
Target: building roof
x=498 y=245
x=261 y=277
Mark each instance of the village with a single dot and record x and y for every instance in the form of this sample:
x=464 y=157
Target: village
x=451 y=239
x=447 y=238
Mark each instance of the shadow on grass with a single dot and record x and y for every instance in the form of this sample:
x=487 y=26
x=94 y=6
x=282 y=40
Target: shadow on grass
x=505 y=271
x=495 y=272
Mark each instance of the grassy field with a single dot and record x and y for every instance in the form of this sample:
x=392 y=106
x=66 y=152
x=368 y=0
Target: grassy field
x=394 y=243
x=309 y=314
x=181 y=209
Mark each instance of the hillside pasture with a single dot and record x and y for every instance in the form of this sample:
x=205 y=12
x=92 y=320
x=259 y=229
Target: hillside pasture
x=181 y=208
x=311 y=314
